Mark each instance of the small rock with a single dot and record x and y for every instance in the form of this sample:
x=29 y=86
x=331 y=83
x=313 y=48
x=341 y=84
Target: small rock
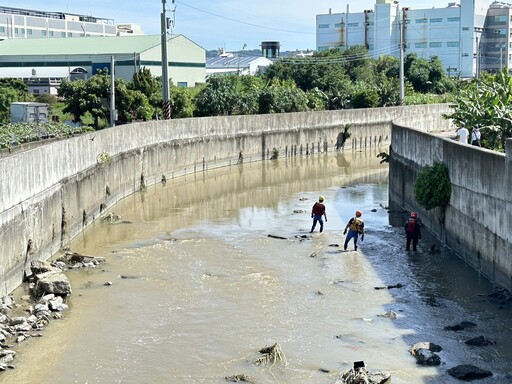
x=41 y=308
x=459 y=327
x=237 y=378
x=389 y=315
x=17 y=320
x=480 y=341
x=21 y=338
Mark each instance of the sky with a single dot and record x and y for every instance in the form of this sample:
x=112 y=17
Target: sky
x=227 y=24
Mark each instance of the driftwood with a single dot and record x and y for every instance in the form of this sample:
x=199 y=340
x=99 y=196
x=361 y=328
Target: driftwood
x=277 y=237
x=390 y=286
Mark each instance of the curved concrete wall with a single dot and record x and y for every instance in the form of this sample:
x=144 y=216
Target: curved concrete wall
x=50 y=192
x=477 y=224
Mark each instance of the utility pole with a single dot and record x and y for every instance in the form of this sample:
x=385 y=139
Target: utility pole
x=501 y=55
x=113 y=112
x=401 y=74
x=478 y=54
x=166 y=107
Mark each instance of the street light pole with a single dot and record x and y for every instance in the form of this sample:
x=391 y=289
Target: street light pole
x=166 y=107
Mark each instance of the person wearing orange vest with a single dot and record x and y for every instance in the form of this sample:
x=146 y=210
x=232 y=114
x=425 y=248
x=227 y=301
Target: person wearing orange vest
x=355 y=227
x=412 y=231
x=317 y=212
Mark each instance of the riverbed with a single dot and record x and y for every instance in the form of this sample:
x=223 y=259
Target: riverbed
x=199 y=287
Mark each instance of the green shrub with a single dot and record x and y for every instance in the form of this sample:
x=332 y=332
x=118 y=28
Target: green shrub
x=433 y=187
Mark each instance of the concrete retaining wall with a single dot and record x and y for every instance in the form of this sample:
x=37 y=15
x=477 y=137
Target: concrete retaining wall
x=477 y=223
x=51 y=192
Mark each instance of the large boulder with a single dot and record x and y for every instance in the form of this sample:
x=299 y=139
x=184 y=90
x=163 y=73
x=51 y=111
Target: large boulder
x=468 y=372
x=53 y=282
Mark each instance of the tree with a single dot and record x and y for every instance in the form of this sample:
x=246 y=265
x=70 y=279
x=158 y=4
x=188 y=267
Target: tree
x=365 y=97
x=358 y=63
x=427 y=75
x=419 y=75
x=8 y=95
x=76 y=98
x=226 y=95
x=323 y=71
x=17 y=84
x=93 y=96
x=281 y=97
x=150 y=86
x=131 y=104
x=388 y=66
x=388 y=90
x=181 y=102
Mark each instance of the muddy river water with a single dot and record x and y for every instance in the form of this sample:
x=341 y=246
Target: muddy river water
x=208 y=288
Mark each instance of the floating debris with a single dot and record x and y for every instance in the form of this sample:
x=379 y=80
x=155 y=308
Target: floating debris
x=270 y=355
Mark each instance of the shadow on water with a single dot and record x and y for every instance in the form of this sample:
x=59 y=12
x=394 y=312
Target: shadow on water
x=212 y=286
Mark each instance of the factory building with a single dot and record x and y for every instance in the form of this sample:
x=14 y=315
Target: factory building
x=469 y=36
x=57 y=59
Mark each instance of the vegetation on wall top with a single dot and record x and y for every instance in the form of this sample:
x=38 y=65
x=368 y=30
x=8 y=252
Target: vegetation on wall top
x=486 y=103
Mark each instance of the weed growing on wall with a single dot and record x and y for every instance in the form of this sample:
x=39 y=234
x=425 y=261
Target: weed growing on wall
x=433 y=187
x=275 y=154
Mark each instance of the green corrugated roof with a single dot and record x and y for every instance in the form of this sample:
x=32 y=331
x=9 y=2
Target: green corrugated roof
x=78 y=45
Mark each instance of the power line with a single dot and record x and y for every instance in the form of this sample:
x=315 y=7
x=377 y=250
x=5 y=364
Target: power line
x=244 y=22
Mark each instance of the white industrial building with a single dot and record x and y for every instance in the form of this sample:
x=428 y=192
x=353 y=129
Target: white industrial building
x=469 y=36
x=17 y=23
x=47 y=61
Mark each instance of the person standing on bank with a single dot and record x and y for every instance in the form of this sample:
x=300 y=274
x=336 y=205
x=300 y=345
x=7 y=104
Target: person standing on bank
x=317 y=212
x=462 y=135
x=355 y=227
x=412 y=231
x=476 y=136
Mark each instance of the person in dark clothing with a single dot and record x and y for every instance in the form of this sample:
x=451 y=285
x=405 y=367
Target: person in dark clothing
x=355 y=227
x=317 y=212
x=412 y=231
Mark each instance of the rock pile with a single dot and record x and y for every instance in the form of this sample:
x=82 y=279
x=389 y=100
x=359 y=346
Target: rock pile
x=49 y=289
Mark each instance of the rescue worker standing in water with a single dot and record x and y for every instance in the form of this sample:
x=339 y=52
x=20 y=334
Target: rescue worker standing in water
x=317 y=212
x=355 y=228
x=412 y=231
